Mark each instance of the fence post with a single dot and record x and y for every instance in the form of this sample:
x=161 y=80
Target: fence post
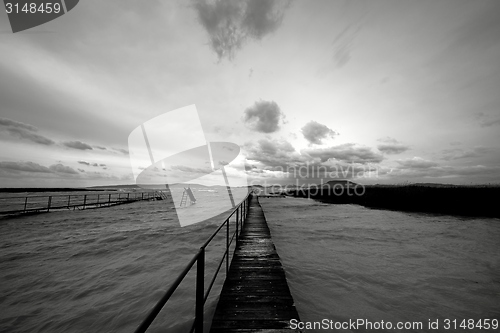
x=200 y=290
x=48 y=205
x=69 y=200
x=128 y=196
x=84 y=201
x=98 y=200
x=25 y=204
x=109 y=199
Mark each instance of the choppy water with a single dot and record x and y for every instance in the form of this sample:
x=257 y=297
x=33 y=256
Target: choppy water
x=102 y=270
x=349 y=262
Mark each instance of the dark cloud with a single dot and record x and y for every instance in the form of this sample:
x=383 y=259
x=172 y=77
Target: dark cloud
x=314 y=132
x=416 y=163
x=348 y=152
x=230 y=23
x=81 y=170
x=391 y=146
x=77 y=145
x=24 y=166
x=15 y=124
x=263 y=116
x=59 y=168
x=92 y=164
x=100 y=147
x=23 y=131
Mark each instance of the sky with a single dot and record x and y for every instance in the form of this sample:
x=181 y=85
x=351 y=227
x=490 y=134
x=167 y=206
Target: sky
x=379 y=92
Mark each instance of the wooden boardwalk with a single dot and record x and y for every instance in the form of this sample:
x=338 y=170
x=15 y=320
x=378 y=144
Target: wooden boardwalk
x=255 y=296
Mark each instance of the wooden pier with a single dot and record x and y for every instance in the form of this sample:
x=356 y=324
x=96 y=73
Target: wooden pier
x=38 y=204
x=255 y=296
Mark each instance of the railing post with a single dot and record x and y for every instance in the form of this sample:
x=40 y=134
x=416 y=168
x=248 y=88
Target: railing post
x=48 y=205
x=200 y=290
x=98 y=200
x=227 y=247
x=128 y=196
x=25 y=204
x=69 y=200
x=84 y=201
x=237 y=222
x=142 y=195
x=109 y=199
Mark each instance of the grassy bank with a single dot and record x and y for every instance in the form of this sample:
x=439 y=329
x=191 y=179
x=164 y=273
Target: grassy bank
x=456 y=200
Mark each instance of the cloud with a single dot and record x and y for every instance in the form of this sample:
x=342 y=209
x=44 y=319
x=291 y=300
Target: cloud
x=416 y=163
x=391 y=146
x=263 y=116
x=342 y=45
x=59 y=168
x=77 y=145
x=490 y=122
x=314 y=132
x=15 y=124
x=230 y=23
x=123 y=151
x=278 y=160
x=348 y=152
x=486 y=120
x=84 y=162
x=273 y=153
x=81 y=170
x=23 y=131
x=24 y=166
x=457 y=153
x=440 y=172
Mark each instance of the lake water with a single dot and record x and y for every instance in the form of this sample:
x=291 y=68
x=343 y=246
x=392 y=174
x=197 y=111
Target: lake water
x=349 y=262
x=102 y=270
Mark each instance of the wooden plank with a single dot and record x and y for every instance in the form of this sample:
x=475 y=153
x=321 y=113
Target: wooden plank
x=255 y=296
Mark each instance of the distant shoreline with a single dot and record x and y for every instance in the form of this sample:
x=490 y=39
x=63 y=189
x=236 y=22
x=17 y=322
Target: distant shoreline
x=464 y=201
x=50 y=189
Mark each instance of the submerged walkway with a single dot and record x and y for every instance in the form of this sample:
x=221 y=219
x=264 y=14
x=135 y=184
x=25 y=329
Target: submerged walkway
x=255 y=296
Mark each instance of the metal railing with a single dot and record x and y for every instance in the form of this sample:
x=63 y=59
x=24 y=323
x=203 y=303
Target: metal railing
x=45 y=203
x=201 y=295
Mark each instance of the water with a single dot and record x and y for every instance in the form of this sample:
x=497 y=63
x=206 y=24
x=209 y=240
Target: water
x=349 y=262
x=102 y=270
